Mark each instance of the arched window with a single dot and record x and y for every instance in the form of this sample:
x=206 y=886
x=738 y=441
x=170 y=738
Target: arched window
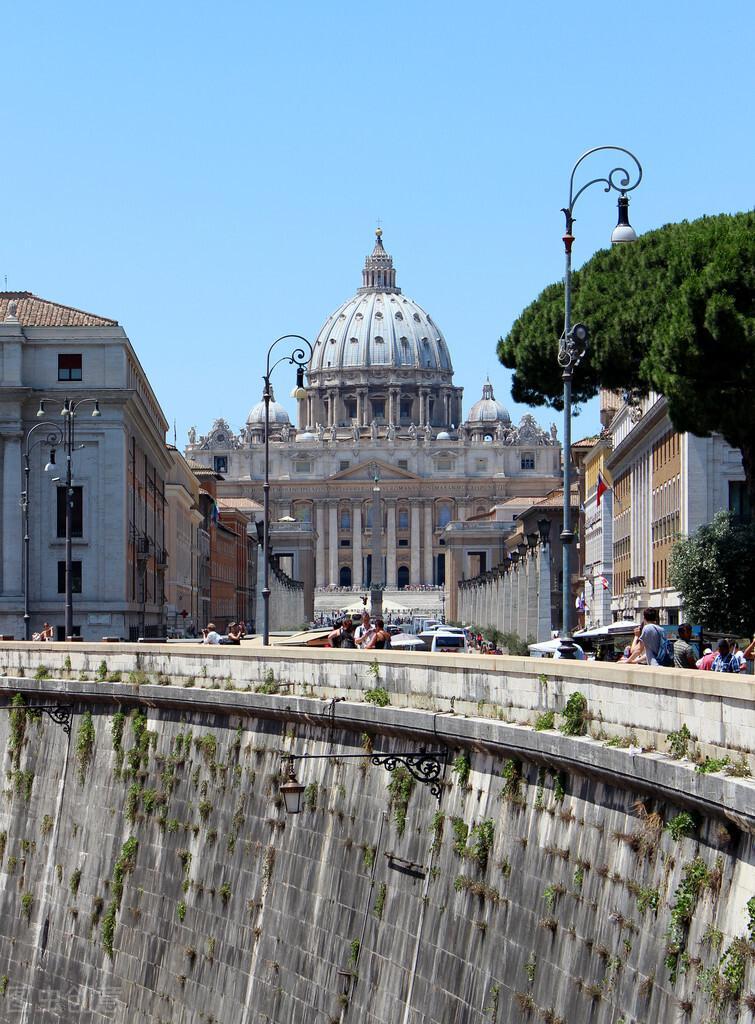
x=443 y=516
x=344 y=576
x=402 y=577
x=303 y=513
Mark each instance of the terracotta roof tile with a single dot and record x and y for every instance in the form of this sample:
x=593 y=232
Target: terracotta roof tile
x=242 y=504
x=586 y=442
x=32 y=311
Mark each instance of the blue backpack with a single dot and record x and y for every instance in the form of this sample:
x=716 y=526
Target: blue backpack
x=666 y=653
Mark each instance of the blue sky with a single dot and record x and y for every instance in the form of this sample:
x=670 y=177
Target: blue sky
x=211 y=175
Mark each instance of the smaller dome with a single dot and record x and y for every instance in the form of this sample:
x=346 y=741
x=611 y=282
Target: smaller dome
x=278 y=415
x=443 y=436
x=488 y=410
x=305 y=435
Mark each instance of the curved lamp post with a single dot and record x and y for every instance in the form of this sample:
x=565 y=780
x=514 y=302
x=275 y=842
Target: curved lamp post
x=68 y=431
x=572 y=345
x=299 y=359
x=51 y=439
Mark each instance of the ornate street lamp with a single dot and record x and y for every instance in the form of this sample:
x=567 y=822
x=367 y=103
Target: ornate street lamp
x=424 y=766
x=572 y=345
x=297 y=358
x=68 y=431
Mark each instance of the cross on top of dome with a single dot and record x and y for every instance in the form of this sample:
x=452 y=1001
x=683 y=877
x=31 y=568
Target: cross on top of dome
x=378 y=274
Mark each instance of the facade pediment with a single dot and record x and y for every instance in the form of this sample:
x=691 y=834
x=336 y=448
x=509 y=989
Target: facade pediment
x=367 y=470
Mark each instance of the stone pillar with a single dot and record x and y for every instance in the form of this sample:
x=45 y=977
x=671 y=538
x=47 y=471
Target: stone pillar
x=427 y=565
x=360 y=402
x=390 y=547
x=11 y=522
x=421 y=407
x=320 y=550
x=414 y=547
x=363 y=419
x=333 y=543
x=544 y=625
x=356 y=544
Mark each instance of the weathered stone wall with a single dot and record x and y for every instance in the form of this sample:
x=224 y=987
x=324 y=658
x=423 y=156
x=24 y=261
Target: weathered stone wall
x=541 y=888
x=634 y=704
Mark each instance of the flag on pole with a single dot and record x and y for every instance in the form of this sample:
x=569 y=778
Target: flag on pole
x=603 y=582
x=214 y=512
x=602 y=488
x=580 y=602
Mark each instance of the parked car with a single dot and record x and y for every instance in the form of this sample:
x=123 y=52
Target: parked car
x=449 y=641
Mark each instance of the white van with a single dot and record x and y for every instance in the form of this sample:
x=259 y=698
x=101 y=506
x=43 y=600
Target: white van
x=450 y=641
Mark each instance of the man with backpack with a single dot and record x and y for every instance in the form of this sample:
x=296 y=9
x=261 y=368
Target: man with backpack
x=658 y=649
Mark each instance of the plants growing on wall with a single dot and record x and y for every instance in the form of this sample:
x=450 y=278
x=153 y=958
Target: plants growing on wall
x=512 y=774
x=694 y=880
x=400 y=789
x=85 y=738
x=124 y=865
x=482 y=836
x=680 y=826
x=678 y=742
x=575 y=715
x=17 y=730
x=378 y=696
x=461 y=768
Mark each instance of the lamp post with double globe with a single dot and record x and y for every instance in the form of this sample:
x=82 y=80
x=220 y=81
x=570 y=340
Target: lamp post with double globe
x=69 y=412
x=52 y=438
x=299 y=359
x=572 y=345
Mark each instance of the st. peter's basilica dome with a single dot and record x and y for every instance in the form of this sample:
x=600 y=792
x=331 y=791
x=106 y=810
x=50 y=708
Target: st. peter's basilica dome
x=380 y=328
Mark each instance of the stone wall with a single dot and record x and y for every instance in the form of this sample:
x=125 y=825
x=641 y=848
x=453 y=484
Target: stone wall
x=148 y=871
x=515 y=598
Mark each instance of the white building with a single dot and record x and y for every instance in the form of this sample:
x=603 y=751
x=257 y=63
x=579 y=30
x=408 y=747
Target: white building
x=51 y=352
x=380 y=401
x=663 y=485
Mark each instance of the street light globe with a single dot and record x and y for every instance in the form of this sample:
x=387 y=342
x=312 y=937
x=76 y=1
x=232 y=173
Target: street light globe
x=623 y=232
x=299 y=393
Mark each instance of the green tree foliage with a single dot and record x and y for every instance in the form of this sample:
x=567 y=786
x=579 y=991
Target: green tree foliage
x=713 y=571
x=674 y=313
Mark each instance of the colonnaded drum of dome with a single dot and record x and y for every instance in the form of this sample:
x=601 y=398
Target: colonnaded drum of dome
x=380 y=400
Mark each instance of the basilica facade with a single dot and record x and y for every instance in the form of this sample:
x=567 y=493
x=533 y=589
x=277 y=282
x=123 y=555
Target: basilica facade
x=382 y=424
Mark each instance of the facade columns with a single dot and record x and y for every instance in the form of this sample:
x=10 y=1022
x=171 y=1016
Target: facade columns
x=422 y=407
x=427 y=568
x=360 y=403
x=363 y=418
x=414 y=547
x=356 y=544
x=391 y=578
x=320 y=549
x=333 y=543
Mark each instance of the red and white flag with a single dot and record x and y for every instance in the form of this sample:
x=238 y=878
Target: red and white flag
x=602 y=581
x=602 y=488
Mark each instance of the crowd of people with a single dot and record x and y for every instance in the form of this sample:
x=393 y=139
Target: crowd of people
x=367 y=636
x=651 y=647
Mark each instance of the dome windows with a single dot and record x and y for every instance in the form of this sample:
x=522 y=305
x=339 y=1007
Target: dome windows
x=354 y=341
x=379 y=340
x=417 y=317
x=399 y=315
x=378 y=315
